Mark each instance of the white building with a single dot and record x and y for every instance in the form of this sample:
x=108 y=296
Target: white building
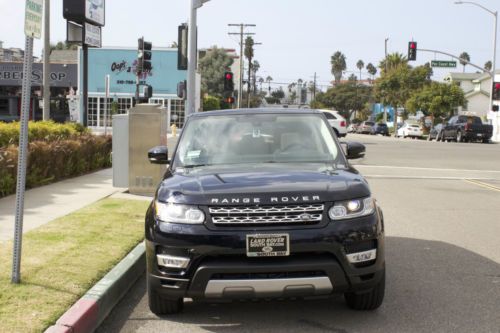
x=477 y=88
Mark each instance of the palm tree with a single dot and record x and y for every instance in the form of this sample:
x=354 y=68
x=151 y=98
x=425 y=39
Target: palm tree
x=261 y=80
x=464 y=59
x=488 y=65
x=360 y=64
x=268 y=80
x=393 y=60
x=338 y=65
x=372 y=70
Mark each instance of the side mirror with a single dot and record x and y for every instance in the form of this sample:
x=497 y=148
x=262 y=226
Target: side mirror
x=355 y=150
x=158 y=155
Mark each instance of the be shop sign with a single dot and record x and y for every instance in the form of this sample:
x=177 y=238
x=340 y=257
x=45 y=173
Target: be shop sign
x=11 y=75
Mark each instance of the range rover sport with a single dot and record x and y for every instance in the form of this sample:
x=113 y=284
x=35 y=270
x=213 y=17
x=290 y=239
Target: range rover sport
x=262 y=204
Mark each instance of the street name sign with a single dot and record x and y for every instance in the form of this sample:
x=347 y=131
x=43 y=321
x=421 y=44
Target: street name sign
x=33 y=18
x=444 y=63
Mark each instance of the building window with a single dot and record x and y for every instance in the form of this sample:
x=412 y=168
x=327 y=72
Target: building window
x=93 y=112
x=102 y=109
x=177 y=110
x=124 y=104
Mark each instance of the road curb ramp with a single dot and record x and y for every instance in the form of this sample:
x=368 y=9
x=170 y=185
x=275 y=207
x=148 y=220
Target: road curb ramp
x=90 y=311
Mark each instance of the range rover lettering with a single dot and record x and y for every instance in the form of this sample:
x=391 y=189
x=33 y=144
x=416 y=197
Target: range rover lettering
x=262 y=204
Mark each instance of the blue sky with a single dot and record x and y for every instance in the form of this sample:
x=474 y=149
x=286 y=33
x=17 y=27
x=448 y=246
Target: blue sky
x=298 y=36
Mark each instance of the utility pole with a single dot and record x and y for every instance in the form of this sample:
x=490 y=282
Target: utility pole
x=46 y=61
x=314 y=86
x=385 y=107
x=242 y=33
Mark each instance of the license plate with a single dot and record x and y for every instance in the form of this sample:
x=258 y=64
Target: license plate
x=479 y=134
x=271 y=245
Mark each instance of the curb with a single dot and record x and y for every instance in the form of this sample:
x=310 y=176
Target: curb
x=90 y=311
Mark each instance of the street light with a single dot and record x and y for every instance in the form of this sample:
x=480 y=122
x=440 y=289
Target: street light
x=192 y=49
x=495 y=14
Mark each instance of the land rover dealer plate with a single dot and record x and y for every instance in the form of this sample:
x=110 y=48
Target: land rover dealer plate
x=272 y=245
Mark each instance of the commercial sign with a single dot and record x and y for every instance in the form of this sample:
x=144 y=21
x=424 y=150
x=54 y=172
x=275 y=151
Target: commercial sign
x=94 y=11
x=92 y=35
x=11 y=74
x=444 y=63
x=33 y=18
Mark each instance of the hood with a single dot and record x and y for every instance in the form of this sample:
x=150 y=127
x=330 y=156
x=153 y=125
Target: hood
x=271 y=184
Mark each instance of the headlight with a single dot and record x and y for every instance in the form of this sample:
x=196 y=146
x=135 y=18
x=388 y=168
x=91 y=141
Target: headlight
x=174 y=213
x=352 y=208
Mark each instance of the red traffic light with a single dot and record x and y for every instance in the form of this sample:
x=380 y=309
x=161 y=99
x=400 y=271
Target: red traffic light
x=413 y=45
x=229 y=76
x=497 y=85
x=230 y=100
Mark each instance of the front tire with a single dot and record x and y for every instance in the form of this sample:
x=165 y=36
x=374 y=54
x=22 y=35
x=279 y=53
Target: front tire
x=370 y=300
x=460 y=136
x=163 y=306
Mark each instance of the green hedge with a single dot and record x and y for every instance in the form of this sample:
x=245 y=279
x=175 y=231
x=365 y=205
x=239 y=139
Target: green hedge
x=52 y=161
x=40 y=131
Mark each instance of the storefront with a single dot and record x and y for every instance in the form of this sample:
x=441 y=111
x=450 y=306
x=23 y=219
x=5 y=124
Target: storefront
x=120 y=65
x=63 y=79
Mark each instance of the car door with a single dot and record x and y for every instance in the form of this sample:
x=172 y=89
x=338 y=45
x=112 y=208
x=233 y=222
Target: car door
x=449 y=128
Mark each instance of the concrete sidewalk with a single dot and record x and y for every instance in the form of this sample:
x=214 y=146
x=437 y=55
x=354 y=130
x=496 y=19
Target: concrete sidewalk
x=46 y=203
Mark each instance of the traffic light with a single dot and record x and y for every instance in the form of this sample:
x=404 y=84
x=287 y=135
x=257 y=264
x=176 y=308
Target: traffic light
x=412 y=51
x=228 y=81
x=144 y=56
x=496 y=91
x=181 y=89
x=229 y=100
x=182 y=48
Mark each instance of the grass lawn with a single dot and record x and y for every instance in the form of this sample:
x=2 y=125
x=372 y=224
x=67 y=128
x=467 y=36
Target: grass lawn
x=63 y=259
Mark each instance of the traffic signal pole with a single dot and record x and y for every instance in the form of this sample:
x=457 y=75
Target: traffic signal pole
x=192 y=50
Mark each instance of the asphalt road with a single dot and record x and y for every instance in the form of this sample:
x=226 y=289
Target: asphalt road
x=441 y=203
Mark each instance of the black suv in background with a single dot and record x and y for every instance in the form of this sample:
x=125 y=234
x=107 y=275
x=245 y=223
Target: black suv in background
x=380 y=128
x=262 y=204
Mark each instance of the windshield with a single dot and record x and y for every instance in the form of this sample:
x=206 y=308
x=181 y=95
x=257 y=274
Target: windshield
x=257 y=138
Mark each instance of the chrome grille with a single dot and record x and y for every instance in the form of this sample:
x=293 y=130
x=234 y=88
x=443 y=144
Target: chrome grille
x=278 y=214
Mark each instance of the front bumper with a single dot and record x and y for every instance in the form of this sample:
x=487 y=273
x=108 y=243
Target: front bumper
x=219 y=268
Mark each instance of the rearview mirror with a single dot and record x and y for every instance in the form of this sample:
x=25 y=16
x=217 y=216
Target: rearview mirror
x=355 y=150
x=158 y=155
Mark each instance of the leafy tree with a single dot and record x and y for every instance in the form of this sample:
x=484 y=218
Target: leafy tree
x=353 y=78
x=372 y=70
x=360 y=64
x=347 y=98
x=211 y=103
x=464 y=56
x=261 y=81
x=63 y=46
x=395 y=87
x=338 y=65
x=212 y=67
x=279 y=94
x=255 y=69
x=393 y=61
x=437 y=99
x=488 y=65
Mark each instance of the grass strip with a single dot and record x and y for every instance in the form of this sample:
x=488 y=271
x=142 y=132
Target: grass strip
x=63 y=259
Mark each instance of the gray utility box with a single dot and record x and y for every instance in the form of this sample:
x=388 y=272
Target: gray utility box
x=147 y=128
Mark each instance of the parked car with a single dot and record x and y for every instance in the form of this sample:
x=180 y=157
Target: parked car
x=410 y=130
x=467 y=129
x=436 y=133
x=352 y=128
x=380 y=128
x=338 y=123
x=270 y=207
x=365 y=127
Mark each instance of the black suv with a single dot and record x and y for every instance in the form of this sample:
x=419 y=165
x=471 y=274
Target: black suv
x=262 y=204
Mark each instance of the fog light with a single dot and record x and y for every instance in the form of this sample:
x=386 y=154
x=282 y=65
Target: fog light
x=355 y=258
x=171 y=261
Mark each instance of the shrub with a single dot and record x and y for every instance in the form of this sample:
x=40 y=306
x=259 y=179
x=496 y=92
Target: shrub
x=52 y=161
x=40 y=131
x=211 y=103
